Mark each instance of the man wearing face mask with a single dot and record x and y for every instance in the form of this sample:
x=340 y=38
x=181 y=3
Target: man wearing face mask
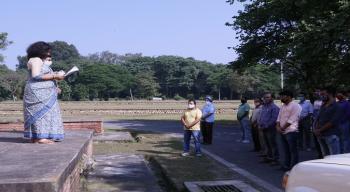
x=287 y=126
x=208 y=119
x=327 y=123
x=243 y=118
x=191 y=122
x=305 y=122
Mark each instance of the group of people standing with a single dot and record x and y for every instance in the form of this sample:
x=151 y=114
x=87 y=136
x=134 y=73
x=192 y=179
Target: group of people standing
x=322 y=123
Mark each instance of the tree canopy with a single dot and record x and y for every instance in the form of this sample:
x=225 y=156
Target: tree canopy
x=310 y=38
x=108 y=75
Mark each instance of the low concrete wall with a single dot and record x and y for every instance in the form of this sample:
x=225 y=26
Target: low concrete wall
x=95 y=125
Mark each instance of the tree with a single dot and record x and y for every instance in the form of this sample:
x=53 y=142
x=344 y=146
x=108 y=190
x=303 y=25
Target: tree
x=146 y=85
x=13 y=82
x=66 y=91
x=4 y=42
x=81 y=92
x=111 y=58
x=107 y=81
x=22 y=62
x=63 y=51
x=219 y=79
x=303 y=36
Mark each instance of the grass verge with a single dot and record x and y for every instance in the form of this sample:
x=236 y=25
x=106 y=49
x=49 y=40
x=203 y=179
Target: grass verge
x=163 y=153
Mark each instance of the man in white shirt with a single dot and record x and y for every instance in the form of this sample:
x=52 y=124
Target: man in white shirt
x=254 y=124
x=287 y=126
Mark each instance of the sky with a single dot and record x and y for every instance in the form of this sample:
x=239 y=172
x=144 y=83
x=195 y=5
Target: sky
x=187 y=28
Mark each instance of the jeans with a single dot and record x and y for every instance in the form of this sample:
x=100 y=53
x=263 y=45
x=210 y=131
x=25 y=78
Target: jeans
x=245 y=128
x=187 y=139
x=344 y=137
x=290 y=149
x=207 y=132
x=330 y=145
x=271 y=144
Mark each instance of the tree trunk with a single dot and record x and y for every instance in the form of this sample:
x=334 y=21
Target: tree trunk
x=132 y=97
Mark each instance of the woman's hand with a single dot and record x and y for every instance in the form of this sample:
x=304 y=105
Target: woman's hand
x=59 y=75
x=59 y=91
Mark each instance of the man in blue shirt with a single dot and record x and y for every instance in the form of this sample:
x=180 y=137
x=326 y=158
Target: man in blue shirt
x=267 y=122
x=207 y=121
x=305 y=122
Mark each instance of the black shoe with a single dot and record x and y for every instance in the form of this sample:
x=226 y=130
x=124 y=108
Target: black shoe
x=262 y=155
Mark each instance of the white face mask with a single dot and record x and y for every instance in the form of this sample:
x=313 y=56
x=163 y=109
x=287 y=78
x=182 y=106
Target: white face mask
x=207 y=102
x=47 y=62
x=190 y=106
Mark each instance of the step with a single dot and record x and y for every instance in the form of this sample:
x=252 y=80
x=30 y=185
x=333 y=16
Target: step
x=28 y=167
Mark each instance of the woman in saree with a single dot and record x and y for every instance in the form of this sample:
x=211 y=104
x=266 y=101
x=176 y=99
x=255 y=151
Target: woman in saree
x=42 y=117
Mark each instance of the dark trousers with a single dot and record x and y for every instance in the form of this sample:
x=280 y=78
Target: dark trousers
x=256 y=137
x=304 y=139
x=318 y=147
x=290 y=148
x=207 y=132
x=271 y=144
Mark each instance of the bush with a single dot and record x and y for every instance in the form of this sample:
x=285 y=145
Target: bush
x=178 y=97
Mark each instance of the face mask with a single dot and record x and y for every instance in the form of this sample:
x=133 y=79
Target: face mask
x=47 y=62
x=207 y=102
x=323 y=98
x=190 y=106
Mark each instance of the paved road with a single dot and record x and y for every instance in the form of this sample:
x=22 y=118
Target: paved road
x=224 y=145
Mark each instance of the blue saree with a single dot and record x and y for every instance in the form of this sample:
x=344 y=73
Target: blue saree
x=42 y=115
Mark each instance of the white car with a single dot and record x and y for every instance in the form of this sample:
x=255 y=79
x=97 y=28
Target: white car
x=331 y=174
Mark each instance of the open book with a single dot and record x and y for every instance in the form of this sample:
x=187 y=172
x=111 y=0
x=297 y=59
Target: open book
x=71 y=71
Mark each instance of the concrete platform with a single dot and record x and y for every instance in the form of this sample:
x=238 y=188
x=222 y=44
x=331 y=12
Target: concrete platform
x=113 y=137
x=121 y=172
x=27 y=167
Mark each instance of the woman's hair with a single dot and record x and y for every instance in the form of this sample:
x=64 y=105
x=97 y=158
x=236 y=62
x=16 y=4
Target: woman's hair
x=194 y=101
x=39 y=49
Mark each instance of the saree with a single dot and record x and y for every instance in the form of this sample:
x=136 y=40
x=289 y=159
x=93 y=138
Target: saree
x=42 y=115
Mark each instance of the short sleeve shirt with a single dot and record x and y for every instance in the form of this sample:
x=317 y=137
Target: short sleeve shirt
x=207 y=109
x=242 y=109
x=190 y=115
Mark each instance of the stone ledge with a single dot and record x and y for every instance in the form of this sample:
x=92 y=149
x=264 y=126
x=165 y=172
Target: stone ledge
x=27 y=167
x=95 y=125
